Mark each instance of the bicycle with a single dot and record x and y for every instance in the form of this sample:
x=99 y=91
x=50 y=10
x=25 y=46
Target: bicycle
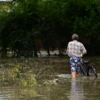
x=90 y=70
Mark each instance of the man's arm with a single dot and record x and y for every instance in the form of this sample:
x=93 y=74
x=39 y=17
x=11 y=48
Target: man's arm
x=85 y=53
x=84 y=50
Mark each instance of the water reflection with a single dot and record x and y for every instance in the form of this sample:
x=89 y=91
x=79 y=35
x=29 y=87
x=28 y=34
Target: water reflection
x=83 y=87
x=13 y=93
x=76 y=90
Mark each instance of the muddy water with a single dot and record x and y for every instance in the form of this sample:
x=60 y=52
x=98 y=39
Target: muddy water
x=82 y=88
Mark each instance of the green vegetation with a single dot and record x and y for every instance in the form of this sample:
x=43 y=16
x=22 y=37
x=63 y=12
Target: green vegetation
x=51 y=21
x=25 y=75
x=15 y=76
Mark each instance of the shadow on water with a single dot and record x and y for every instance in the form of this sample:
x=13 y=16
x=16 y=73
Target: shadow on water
x=81 y=88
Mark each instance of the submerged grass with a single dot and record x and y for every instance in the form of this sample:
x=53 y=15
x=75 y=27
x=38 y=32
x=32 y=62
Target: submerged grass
x=25 y=76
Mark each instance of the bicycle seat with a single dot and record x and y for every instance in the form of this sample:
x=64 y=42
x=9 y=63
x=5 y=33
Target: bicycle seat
x=86 y=62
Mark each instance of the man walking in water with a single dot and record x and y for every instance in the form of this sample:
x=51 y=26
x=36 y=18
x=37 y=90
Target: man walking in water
x=75 y=51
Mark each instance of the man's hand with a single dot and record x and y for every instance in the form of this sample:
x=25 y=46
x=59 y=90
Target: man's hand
x=84 y=53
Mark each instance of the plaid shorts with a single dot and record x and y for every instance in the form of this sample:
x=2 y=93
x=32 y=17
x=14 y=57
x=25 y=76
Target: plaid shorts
x=75 y=63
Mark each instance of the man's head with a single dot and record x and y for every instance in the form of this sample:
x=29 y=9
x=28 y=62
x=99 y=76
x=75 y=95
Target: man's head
x=75 y=37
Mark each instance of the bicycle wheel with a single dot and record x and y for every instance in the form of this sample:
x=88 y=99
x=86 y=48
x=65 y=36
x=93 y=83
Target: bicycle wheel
x=92 y=72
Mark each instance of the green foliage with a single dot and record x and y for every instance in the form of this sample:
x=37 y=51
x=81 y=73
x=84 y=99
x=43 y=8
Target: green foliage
x=28 y=81
x=15 y=76
x=19 y=29
x=26 y=74
x=52 y=21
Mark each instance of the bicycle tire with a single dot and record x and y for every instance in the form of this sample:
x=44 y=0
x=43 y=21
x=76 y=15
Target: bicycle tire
x=91 y=72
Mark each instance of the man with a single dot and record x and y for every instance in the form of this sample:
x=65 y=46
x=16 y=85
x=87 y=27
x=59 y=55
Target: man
x=75 y=51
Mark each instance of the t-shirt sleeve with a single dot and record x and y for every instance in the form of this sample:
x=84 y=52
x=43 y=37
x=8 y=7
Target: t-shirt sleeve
x=83 y=49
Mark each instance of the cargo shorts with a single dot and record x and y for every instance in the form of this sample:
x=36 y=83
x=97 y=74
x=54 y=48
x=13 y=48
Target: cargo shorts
x=75 y=63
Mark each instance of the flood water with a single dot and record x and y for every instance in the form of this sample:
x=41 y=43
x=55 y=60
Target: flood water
x=81 y=88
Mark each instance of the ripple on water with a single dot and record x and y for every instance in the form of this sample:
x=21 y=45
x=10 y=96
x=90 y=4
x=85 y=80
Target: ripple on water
x=64 y=75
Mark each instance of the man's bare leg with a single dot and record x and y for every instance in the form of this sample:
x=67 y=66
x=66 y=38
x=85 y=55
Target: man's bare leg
x=77 y=74
x=73 y=74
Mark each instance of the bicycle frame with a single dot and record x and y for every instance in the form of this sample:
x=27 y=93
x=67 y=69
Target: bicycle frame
x=84 y=73
x=88 y=66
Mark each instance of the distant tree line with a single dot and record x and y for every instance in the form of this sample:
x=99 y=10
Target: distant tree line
x=51 y=21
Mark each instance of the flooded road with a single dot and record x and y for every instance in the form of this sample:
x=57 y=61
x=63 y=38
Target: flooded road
x=81 y=88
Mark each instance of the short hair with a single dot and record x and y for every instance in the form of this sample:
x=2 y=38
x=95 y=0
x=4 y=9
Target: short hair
x=75 y=36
